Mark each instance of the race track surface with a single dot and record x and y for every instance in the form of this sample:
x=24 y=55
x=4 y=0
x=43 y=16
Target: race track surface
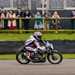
x=67 y=67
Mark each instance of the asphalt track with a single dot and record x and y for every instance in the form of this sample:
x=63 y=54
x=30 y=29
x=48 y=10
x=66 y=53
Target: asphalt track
x=67 y=67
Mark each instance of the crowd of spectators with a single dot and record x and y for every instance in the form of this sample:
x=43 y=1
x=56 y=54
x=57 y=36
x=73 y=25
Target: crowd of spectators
x=11 y=19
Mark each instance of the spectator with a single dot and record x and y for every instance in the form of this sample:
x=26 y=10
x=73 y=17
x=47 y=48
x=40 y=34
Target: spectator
x=73 y=19
x=56 y=21
x=2 y=16
x=14 y=20
x=27 y=16
x=6 y=20
x=46 y=21
x=38 y=21
x=17 y=20
x=11 y=22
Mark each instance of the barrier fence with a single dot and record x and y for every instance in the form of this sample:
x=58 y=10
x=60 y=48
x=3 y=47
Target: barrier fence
x=66 y=23
x=64 y=46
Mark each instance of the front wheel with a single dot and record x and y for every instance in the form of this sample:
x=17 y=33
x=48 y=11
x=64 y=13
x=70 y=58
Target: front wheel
x=55 y=58
x=21 y=58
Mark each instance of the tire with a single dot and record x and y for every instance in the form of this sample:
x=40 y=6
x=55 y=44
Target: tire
x=53 y=59
x=21 y=58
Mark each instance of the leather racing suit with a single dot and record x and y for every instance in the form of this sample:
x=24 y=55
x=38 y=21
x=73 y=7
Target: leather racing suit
x=33 y=44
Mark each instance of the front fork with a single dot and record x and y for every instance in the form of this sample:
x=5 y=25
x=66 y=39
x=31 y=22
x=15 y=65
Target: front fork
x=53 y=54
x=52 y=51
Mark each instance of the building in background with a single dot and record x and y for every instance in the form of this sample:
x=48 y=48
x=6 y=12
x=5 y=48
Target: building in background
x=69 y=4
x=15 y=4
x=37 y=4
x=56 y=4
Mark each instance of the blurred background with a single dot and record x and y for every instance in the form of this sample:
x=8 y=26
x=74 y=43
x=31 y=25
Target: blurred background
x=20 y=18
x=27 y=12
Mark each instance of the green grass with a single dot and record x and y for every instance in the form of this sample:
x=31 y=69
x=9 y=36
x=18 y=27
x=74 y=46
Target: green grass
x=7 y=57
x=46 y=36
x=69 y=56
x=13 y=56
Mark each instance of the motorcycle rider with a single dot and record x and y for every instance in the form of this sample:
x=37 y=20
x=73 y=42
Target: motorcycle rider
x=34 y=43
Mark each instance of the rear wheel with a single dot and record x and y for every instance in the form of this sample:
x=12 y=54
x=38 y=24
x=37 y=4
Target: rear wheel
x=22 y=58
x=55 y=58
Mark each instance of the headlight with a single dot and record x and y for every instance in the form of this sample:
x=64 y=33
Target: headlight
x=51 y=45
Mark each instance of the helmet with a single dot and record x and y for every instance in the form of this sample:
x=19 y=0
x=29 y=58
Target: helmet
x=38 y=35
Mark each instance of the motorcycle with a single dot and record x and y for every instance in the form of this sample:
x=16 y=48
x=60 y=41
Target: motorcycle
x=53 y=56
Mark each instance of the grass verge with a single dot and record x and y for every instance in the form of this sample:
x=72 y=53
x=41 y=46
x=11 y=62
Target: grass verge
x=7 y=57
x=13 y=56
x=69 y=56
x=46 y=36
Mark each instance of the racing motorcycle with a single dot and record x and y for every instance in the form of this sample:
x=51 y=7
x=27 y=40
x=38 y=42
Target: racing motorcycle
x=53 y=56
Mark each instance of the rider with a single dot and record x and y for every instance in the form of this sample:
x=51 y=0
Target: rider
x=34 y=43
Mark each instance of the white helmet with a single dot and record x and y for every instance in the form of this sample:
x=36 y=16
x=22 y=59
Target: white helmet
x=38 y=35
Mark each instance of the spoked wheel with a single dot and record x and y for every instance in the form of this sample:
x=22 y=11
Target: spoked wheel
x=55 y=58
x=21 y=58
